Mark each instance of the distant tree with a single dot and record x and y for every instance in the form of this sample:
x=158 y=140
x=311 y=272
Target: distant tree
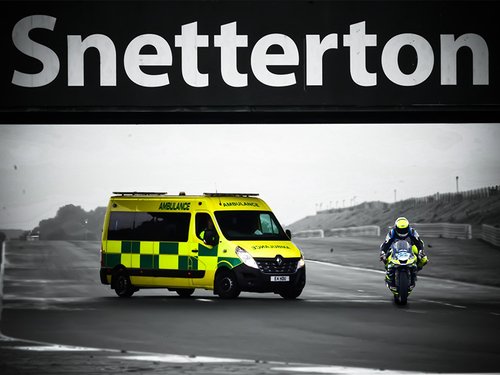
x=70 y=212
x=3 y=237
x=73 y=223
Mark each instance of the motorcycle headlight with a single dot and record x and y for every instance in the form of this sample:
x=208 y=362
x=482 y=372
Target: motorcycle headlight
x=403 y=257
x=246 y=257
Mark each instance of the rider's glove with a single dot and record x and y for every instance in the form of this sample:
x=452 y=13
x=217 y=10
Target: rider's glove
x=382 y=257
x=422 y=259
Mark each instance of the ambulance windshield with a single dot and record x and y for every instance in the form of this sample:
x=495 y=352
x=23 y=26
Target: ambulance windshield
x=250 y=225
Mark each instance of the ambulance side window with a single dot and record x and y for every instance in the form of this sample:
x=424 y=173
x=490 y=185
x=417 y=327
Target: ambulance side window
x=172 y=227
x=121 y=226
x=205 y=229
x=200 y=224
x=202 y=220
x=162 y=226
x=149 y=226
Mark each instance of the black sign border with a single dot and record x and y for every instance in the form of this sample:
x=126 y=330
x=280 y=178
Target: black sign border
x=242 y=114
x=250 y=115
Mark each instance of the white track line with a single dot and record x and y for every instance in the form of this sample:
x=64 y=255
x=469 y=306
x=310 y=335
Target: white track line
x=444 y=303
x=55 y=348
x=362 y=371
x=342 y=266
x=186 y=359
x=175 y=358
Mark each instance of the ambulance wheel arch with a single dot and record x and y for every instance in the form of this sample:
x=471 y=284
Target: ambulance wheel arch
x=226 y=284
x=120 y=282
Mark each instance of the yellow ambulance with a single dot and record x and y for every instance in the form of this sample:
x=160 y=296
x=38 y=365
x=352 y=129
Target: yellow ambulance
x=227 y=243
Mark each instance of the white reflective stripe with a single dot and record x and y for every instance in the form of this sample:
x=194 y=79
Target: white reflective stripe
x=415 y=234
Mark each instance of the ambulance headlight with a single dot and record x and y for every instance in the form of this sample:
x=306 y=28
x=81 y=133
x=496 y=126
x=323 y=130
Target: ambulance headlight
x=246 y=257
x=301 y=263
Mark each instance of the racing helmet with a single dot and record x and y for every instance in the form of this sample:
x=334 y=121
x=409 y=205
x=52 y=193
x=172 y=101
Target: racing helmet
x=402 y=226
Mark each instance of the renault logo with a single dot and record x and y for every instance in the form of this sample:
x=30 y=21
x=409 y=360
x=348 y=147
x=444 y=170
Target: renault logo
x=279 y=260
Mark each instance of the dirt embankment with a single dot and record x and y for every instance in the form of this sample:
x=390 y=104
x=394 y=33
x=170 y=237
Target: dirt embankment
x=455 y=208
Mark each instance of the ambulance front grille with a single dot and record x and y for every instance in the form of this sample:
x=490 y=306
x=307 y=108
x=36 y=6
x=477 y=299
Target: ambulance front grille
x=267 y=265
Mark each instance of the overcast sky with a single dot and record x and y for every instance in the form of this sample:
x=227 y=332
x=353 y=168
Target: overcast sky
x=295 y=168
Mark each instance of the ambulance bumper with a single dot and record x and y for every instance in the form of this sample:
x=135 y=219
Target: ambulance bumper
x=253 y=280
x=103 y=273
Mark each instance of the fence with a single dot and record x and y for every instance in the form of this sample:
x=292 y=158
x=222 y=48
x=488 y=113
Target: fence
x=453 y=197
x=312 y=233
x=438 y=197
x=491 y=234
x=445 y=230
x=367 y=230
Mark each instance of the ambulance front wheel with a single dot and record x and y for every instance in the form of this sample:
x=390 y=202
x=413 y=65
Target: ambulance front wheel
x=122 y=285
x=226 y=285
x=291 y=293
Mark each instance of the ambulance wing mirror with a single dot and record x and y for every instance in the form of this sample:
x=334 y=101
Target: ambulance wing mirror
x=288 y=233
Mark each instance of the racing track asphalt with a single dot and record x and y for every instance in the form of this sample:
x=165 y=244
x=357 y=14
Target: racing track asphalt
x=345 y=317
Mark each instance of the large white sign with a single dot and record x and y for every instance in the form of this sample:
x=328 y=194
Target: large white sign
x=229 y=42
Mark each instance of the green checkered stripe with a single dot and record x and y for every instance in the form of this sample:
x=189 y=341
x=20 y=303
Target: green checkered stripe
x=173 y=261
x=206 y=253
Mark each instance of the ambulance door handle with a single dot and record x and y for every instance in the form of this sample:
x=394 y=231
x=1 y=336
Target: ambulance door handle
x=194 y=251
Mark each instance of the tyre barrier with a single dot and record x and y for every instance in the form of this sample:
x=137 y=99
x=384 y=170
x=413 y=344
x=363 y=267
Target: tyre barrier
x=366 y=230
x=444 y=230
x=312 y=233
x=491 y=234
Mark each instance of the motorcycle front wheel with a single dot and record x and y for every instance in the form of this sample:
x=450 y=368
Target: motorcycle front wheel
x=403 y=288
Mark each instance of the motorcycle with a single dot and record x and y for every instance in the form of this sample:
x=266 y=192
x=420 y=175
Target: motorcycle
x=402 y=266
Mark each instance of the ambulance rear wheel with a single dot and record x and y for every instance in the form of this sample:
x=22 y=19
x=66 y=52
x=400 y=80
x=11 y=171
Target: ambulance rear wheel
x=226 y=285
x=123 y=286
x=184 y=293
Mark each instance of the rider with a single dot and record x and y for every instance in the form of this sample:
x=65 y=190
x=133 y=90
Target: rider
x=209 y=234
x=402 y=231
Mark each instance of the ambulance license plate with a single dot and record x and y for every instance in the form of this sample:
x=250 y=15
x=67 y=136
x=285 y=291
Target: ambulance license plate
x=280 y=278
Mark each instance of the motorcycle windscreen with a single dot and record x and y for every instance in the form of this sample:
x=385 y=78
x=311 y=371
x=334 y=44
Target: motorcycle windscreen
x=401 y=250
